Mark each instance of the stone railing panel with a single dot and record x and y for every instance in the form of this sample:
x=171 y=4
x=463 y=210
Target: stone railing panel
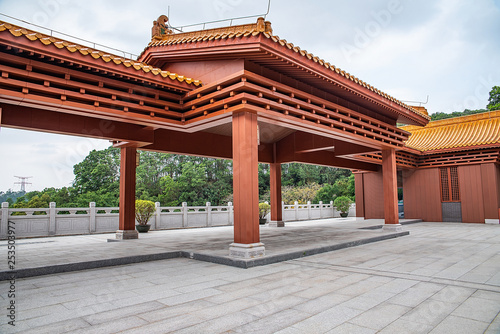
x=34 y=222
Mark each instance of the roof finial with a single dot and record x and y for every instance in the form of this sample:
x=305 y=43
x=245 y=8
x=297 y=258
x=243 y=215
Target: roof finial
x=160 y=28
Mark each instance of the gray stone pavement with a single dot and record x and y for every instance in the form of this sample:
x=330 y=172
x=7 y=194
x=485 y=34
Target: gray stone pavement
x=442 y=278
x=296 y=237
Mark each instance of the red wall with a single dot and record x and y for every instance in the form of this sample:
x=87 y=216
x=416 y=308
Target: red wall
x=422 y=195
x=489 y=178
x=373 y=195
x=471 y=193
x=479 y=193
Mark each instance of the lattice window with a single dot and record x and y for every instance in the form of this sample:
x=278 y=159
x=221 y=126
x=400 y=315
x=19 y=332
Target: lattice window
x=455 y=193
x=449 y=184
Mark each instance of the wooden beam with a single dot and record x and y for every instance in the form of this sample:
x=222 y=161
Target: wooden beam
x=26 y=118
x=290 y=148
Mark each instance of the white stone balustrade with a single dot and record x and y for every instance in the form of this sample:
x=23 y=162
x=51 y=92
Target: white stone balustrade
x=41 y=222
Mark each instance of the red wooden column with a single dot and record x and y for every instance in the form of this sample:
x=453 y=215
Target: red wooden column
x=390 y=184
x=360 y=196
x=127 y=194
x=276 y=207
x=245 y=187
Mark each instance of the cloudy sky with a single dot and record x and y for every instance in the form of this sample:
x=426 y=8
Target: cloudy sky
x=445 y=49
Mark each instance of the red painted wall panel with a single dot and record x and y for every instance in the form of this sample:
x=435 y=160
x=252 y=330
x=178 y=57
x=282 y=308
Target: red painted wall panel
x=489 y=182
x=373 y=195
x=421 y=195
x=498 y=185
x=471 y=193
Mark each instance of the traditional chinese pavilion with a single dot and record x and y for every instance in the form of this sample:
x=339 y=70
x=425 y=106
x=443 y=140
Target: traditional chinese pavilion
x=242 y=93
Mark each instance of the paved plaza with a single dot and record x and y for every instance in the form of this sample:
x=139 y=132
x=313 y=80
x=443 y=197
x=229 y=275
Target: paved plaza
x=441 y=278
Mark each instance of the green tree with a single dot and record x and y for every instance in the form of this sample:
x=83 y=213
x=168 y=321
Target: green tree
x=326 y=194
x=344 y=186
x=99 y=171
x=152 y=167
x=192 y=183
x=494 y=99
x=170 y=192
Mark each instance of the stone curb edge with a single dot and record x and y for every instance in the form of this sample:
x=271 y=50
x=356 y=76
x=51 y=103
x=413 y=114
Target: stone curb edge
x=70 y=267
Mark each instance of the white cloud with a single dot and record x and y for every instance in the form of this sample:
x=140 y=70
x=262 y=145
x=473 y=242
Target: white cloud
x=48 y=158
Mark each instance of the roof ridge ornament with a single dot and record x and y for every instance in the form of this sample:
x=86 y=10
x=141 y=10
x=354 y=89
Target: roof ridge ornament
x=160 y=28
x=162 y=33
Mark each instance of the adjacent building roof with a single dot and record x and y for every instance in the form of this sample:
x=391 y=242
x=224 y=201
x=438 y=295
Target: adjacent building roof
x=96 y=54
x=262 y=28
x=459 y=133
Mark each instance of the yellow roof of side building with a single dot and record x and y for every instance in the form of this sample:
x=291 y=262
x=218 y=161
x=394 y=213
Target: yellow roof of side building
x=464 y=133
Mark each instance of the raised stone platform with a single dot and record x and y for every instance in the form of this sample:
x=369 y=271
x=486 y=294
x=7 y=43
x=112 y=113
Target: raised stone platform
x=43 y=256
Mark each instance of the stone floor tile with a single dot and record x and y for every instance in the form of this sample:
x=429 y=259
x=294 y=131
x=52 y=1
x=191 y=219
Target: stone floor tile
x=416 y=294
x=494 y=327
x=102 y=317
x=368 y=300
x=221 y=324
x=272 y=323
x=327 y=320
x=187 y=297
x=459 y=325
x=430 y=312
x=113 y=326
x=170 y=325
x=487 y=295
x=380 y=316
x=453 y=294
x=272 y=306
x=478 y=309
x=348 y=328
x=402 y=326
x=322 y=303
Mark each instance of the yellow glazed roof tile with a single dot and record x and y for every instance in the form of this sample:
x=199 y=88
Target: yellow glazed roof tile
x=456 y=133
x=96 y=54
x=264 y=28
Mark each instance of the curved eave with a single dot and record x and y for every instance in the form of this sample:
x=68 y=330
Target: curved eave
x=352 y=86
x=457 y=149
x=269 y=51
x=12 y=36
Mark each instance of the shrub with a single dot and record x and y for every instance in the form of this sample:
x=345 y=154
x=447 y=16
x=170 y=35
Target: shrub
x=264 y=209
x=301 y=194
x=342 y=203
x=143 y=211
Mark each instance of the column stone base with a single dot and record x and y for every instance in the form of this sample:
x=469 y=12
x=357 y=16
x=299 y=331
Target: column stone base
x=246 y=251
x=126 y=234
x=274 y=223
x=392 y=228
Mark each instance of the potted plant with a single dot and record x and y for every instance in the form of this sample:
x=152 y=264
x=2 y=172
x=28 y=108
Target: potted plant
x=143 y=212
x=264 y=209
x=343 y=203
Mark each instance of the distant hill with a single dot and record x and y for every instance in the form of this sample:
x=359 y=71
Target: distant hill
x=441 y=115
x=12 y=195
